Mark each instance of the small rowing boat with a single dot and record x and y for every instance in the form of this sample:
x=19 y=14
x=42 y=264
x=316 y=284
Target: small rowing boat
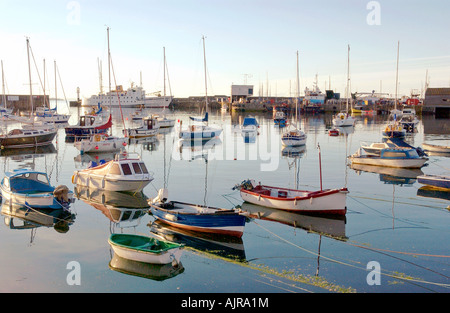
x=439 y=181
x=436 y=148
x=145 y=249
x=326 y=201
x=197 y=217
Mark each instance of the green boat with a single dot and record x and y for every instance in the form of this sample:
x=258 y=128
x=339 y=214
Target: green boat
x=145 y=249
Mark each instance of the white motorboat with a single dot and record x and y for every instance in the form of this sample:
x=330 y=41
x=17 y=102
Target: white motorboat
x=101 y=143
x=149 y=127
x=124 y=173
x=390 y=157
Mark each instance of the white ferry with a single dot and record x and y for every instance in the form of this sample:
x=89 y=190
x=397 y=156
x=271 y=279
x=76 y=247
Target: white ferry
x=132 y=97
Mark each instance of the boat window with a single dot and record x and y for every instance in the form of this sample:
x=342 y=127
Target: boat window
x=137 y=168
x=144 y=168
x=392 y=154
x=115 y=169
x=42 y=178
x=126 y=169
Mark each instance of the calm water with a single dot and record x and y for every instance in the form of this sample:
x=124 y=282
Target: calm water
x=389 y=220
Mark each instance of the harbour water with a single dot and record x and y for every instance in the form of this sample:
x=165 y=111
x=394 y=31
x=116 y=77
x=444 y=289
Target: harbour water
x=394 y=238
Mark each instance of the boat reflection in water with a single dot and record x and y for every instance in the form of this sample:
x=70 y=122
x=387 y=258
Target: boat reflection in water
x=332 y=226
x=157 y=272
x=390 y=175
x=21 y=217
x=431 y=192
x=229 y=247
x=29 y=152
x=118 y=207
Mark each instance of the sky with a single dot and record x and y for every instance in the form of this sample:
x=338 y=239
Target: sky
x=246 y=42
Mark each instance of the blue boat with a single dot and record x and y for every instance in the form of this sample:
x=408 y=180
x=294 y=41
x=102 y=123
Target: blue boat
x=32 y=189
x=439 y=181
x=280 y=119
x=199 y=218
x=250 y=124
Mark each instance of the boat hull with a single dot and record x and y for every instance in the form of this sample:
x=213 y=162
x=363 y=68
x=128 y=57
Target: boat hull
x=142 y=133
x=104 y=183
x=436 y=148
x=439 y=181
x=377 y=161
x=330 y=201
x=140 y=255
x=200 y=135
x=293 y=140
x=86 y=146
x=33 y=200
x=27 y=141
x=225 y=222
x=165 y=123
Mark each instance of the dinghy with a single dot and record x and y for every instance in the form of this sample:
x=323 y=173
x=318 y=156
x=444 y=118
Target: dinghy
x=436 y=148
x=326 y=201
x=438 y=181
x=145 y=249
x=197 y=217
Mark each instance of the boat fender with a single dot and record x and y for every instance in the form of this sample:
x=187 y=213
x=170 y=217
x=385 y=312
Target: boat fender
x=74 y=178
x=310 y=200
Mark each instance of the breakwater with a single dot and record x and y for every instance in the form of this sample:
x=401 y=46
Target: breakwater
x=332 y=106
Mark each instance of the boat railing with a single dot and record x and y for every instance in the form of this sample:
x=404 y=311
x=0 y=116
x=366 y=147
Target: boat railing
x=124 y=155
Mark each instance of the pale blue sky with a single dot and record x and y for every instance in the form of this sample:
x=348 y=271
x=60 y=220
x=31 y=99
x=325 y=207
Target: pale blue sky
x=256 y=39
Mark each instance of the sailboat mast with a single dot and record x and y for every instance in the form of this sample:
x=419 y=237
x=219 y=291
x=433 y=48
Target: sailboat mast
x=298 y=94
x=29 y=74
x=396 y=78
x=164 y=51
x=348 y=74
x=56 y=88
x=109 y=70
x=204 y=64
x=3 y=87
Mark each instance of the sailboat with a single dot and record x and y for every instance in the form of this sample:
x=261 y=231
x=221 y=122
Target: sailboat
x=201 y=131
x=4 y=110
x=162 y=119
x=343 y=118
x=394 y=128
x=50 y=115
x=294 y=137
x=31 y=136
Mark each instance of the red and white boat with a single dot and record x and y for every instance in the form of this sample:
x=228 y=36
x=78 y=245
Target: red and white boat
x=326 y=201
